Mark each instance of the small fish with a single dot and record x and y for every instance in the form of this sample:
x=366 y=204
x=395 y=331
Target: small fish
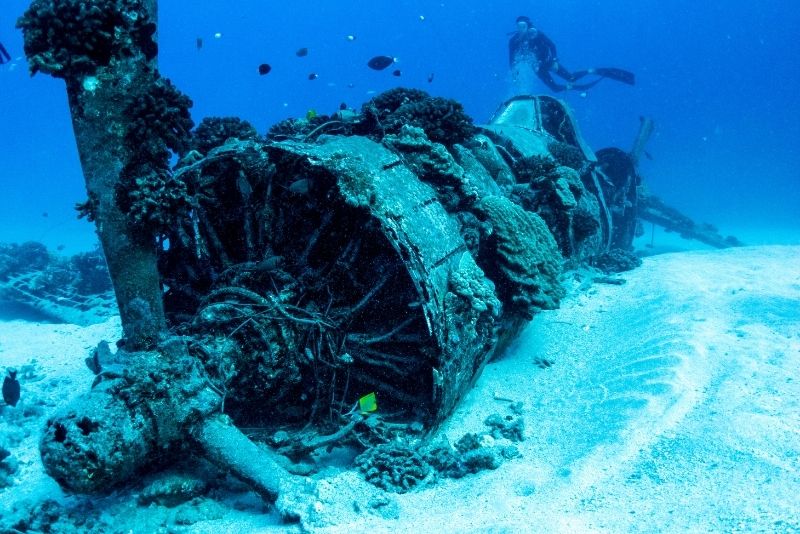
x=218 y=35
x=264 y=68
x=396 y=72
x=100 y=358
x=301 y=52
x=380 y=62
x=351 y=38
x=199 y=43
x=45 y=214
x=343 y=106
x=268 y=264
x=313 y=76
x=11 y=389
x=430 y=78
x=351 y=85
x=60 y=247
x=311 y=114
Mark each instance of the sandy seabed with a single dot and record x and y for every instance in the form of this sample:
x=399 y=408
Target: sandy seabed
x=672 y=405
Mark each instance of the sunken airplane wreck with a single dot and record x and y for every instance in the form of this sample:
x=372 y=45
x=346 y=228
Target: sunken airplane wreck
x=274 y=282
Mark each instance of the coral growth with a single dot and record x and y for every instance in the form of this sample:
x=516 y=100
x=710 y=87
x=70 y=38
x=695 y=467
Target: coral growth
x=445 y=459
x=214 y=131
x=68 y=38
x=387 y=103
x=616 y=261
x=159 y=118
x=294 y=128
x=471 y=305
x=520 y=256
x=557 y=194
x=470 y=454
x=511 y=427
x=433 y=164
x=147 y=190
x=477 y=453
x=443 y=120
x=400 y=467
x=8 y=466
x=152 y=197
x=394 y=467
x=567 y=155
x=535 y=167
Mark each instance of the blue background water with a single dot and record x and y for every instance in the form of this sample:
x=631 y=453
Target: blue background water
x=720 y=78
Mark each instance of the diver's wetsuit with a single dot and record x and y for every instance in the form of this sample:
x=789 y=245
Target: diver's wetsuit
x=535 y=48
x=528 y=46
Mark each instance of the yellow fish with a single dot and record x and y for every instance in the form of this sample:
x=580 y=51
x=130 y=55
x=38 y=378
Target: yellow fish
x=368 y=403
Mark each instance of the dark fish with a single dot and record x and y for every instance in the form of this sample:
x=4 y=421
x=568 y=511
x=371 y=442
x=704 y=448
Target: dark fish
x=351 y=85
x=269 y=264
x=380 y=62
x=100 y=358
x=264 y=68
x=301 y=52
x=396 y=72
x=343 y=106
x=648 y=155
x=199 y=43
x=60 y=247
x=313 y=76
x=44 y=214
x=11 y=388
x=4 y=55
x=93 y=363
x=430 y=78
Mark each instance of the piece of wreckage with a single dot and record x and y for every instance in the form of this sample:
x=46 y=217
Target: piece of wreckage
x=274 y=282
x=311 y=271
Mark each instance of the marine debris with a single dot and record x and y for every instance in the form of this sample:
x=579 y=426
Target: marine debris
x=271 y=283
x=75 y=289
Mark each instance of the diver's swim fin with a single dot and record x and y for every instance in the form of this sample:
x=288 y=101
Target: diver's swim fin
x=619 y=75
x=4 y=56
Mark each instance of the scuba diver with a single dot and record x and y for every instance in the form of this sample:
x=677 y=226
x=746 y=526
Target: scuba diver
x=529 y=47
x=4 y=55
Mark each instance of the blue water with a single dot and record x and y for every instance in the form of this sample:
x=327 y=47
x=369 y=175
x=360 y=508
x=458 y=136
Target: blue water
x=720 y=79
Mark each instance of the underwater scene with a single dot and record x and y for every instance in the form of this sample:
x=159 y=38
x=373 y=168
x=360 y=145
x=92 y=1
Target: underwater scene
x=345 y=267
